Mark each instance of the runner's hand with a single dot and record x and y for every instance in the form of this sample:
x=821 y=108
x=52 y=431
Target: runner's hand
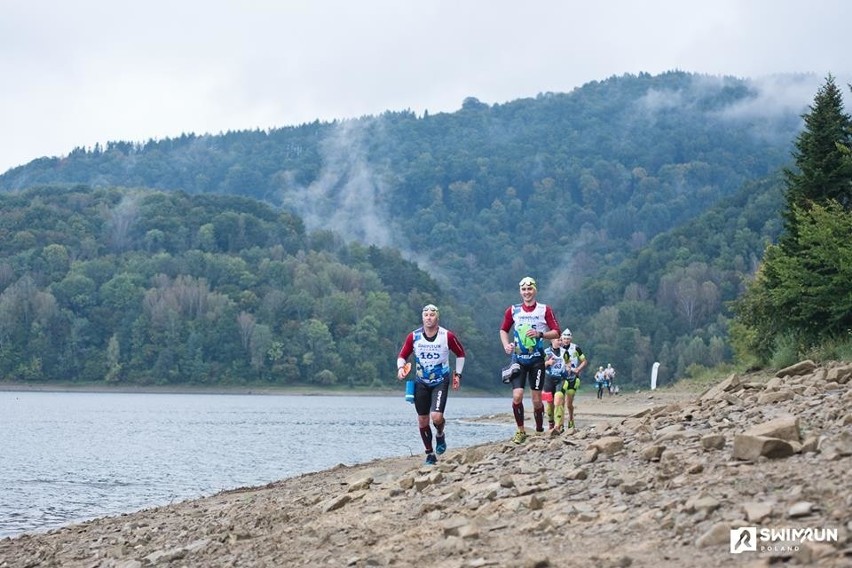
x=403 y=371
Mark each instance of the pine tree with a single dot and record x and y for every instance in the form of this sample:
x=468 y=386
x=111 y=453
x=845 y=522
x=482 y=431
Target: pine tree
x=822 y=162
x=801 y=294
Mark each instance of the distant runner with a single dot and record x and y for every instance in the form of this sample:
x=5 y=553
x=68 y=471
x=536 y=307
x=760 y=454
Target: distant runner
x=600 y=381
x=609 y=377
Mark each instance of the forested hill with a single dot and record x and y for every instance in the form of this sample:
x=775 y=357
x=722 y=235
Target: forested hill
x=559 y=186
x=147 y=287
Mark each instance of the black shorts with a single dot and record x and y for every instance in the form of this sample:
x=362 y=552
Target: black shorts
x=431 y=399
x=534 y=371
x=570 y=385
x=551 y=383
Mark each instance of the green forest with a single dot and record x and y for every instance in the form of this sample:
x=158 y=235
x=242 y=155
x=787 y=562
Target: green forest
x=147 y=287
x=301 y=255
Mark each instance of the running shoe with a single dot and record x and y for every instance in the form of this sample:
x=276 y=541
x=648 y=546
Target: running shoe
x=440 y=444
x=551 y=425
x=431 y=459
x=520 y=437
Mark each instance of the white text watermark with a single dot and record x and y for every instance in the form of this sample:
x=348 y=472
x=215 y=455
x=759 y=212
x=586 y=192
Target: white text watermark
x=753 y=539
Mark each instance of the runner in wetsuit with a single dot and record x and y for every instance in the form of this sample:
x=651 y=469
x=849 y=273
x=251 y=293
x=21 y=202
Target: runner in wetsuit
x=532 y=322
x=431 y=346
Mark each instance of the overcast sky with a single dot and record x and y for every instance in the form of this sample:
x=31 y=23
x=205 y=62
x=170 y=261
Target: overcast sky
x=79 y=72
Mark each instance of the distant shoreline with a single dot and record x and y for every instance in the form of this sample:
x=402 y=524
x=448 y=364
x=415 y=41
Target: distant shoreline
x=223 y=390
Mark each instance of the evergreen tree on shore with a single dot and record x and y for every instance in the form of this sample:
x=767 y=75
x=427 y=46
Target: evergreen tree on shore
x=800 y=297
x=822 y=159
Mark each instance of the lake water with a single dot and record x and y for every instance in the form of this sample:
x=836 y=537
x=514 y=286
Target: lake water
x=68 y=457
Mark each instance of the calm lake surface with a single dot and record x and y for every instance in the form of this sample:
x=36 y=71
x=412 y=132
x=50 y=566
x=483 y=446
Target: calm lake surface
x=69 y=457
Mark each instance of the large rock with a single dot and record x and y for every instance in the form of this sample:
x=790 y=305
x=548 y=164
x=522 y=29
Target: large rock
x=784 y=427
x=718 y=534
x=839 y=374
x=713 y=442
x=608 y=444
x=748 y=447
x=800 y=368
x=773 y=397
x=732 y=383
x=755 y=512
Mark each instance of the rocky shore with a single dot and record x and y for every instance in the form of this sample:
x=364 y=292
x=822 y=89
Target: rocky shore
x=656 y=479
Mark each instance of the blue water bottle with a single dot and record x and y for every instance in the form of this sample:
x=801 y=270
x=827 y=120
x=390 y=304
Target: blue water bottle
x=409 y=391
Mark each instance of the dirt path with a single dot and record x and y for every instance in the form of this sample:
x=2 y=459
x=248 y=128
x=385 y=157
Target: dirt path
x=590 y=411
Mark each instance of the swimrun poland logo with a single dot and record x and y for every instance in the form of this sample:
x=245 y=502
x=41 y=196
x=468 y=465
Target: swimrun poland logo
x=752 y=539
x=743 y=539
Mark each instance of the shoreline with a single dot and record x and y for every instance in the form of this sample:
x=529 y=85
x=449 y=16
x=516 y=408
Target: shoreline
x=590 y=411
x=652 y=479
x=219 y=390
x=300 y=390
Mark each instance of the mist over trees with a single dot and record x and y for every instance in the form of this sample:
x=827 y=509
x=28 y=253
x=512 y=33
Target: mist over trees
x=641 y=204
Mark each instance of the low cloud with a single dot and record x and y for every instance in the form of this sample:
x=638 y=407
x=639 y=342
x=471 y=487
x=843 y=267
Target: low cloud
x=349 y=195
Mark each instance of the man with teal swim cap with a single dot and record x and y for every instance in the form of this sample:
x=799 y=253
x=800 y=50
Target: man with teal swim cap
x=530 y=322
